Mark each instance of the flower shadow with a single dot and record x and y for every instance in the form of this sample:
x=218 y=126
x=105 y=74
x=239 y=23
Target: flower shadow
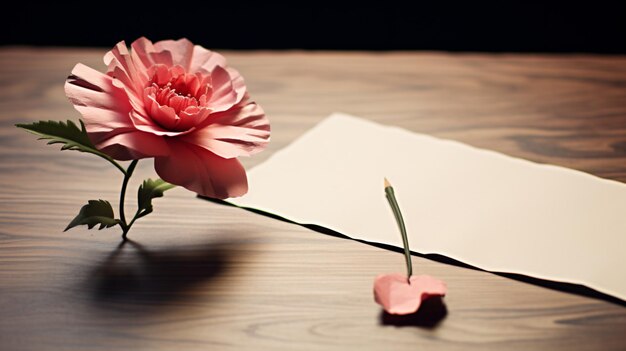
x=135 y=280
x=431 y=312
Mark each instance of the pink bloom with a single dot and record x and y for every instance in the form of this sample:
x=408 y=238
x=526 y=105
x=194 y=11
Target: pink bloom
x=178 y=103
x=397 y=296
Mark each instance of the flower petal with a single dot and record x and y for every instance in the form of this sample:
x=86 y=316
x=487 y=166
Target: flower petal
x=106 y=110
x=238 y=84
x=148 y=125
x=202 y=171
x=181 y=51
x=241 y=131
x=397 y=296
x=224 y=95
x=145 y=54
x=192 y=117
x=164 y=116
x=103 y=106
x=131 y=144
x=140 y=53
x=122 y=67
x=205 y=60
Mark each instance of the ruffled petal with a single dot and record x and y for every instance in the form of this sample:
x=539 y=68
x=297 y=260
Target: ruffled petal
x=106 y=111
x=145 y=54
x=181 y=51
x=224 y=95
x=239 y=86
x=104 y=107
x=146 y=124
x=192 y=117
x=202 y=171
x=131 y=144
x=140 y=53
x=165 y=116
x=241 y=131
x=122 y=67
x=206 y=60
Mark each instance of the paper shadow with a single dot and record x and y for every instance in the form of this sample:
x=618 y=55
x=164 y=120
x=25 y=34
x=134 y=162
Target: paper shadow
x=135 y=279
x=432 y=311
x=550 y=284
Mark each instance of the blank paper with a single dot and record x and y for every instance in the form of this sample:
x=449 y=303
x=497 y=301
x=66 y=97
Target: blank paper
x=481 y=207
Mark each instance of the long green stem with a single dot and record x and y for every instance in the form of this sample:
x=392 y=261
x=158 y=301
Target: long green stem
x=127 y=174
x=405 y=240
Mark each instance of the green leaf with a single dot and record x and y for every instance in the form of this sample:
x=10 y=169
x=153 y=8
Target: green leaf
x=149 y=190
x=95 y=212
x=68 y=134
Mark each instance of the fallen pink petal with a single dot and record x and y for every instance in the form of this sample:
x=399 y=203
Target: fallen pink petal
x=394 y=293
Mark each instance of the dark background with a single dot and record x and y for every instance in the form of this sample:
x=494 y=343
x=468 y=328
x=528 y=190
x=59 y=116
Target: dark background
x=506 y=26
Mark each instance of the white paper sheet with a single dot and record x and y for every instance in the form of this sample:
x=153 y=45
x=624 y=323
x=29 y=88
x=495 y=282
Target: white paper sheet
x=477 y=206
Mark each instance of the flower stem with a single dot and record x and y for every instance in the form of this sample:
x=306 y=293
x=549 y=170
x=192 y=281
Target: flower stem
x=391 y=197
x=117 y=165
x=127 y=174
x=108 y=158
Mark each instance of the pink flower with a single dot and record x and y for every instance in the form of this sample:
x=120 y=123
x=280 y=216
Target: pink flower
x=397 y=296
x=178 y=103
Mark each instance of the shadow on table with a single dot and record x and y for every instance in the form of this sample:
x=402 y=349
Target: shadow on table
x=431 y=312
x=134 y=279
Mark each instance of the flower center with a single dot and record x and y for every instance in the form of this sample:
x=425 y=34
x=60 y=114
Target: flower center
x=182 y=91
x=177 y=100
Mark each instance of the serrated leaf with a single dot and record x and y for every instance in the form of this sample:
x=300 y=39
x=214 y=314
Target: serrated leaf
x=67 y=133
x=95 y=212
x=149 y=190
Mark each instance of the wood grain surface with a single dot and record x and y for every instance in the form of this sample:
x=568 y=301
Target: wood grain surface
x=200 y=275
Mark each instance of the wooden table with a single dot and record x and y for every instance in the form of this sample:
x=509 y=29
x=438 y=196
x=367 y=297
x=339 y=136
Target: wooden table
x=200 y=275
